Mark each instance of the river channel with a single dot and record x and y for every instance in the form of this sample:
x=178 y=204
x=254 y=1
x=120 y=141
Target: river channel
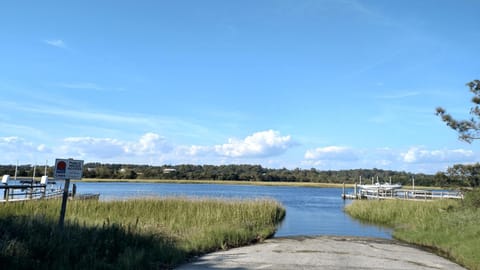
x=310 y=211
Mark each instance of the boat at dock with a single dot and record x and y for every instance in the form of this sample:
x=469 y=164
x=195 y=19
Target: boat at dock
x=379 y=186
x=24 y=189
x=386 y=190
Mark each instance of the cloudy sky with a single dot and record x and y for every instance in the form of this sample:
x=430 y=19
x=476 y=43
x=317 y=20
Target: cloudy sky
x=329 y=84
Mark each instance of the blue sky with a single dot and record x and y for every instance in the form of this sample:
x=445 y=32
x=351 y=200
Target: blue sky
x=326 y=84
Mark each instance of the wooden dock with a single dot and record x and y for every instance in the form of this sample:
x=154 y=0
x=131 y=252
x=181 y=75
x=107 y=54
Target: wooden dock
x=401 y=194
x=24 y=192
x=36 y=191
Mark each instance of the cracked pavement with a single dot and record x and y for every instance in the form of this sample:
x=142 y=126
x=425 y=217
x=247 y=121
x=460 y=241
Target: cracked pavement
x=323 y=252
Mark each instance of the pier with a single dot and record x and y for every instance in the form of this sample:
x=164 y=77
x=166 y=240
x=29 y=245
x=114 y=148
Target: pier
x=24 y=189
x=27 y=189
x=399 y=194
x=24 y=192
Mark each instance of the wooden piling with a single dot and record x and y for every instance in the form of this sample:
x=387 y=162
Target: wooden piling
x=64 y=204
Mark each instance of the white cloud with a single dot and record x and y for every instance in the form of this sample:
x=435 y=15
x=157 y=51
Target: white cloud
x=420 y=155
x=56 y=43
x=91 y=148
x=42 y=148
x=259 y=144
x=150 y=144
x=331 y=153
x=151 y=147
x=259 y=148
x=16 y=144
x=14 y=148
x=194 y=150
x=414 y=159
x=9 y=140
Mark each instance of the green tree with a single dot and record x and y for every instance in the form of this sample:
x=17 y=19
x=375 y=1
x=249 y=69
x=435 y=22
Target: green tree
x=468 y=130
x=465 y=175
x=104 y=172
x=441 y=179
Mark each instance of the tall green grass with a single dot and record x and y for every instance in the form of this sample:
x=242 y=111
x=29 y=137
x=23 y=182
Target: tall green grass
x=133 y=234
x=451 y=228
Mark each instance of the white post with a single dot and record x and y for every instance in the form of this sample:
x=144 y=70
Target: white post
x=5 y=179
x=16 y=167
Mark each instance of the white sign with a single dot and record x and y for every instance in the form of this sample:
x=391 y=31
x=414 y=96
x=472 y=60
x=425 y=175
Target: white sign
x=68 y=169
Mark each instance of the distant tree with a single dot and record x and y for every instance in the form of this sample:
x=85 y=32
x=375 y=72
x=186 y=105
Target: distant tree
x=89 y=172
x=104 y=172
x=130 y=174
x=468 y=130
x=441 y=179
x=465 y=175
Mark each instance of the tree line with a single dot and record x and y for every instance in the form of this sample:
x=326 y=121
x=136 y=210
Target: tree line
x=457 y=175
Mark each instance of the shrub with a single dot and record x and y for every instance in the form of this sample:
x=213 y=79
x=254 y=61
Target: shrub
x=472 y=198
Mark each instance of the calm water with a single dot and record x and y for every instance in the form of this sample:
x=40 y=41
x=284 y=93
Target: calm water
x=310 y=211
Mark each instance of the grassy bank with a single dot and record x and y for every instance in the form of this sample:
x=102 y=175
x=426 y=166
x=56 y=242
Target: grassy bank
x=450 y=228
x=133 y=234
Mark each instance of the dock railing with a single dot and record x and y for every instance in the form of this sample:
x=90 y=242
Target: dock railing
x=402 y=194
x=21 y=192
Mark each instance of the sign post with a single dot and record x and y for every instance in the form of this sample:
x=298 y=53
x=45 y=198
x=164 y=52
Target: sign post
x=66 y=169
x=64 y=204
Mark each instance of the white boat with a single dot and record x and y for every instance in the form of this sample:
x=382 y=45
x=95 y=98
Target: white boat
x=378 y=186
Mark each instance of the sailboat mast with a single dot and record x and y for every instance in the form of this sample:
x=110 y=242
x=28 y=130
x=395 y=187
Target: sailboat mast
x=16 y=168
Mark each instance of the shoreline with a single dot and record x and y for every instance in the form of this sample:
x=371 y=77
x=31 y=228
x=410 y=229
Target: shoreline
x=234 y=182
x=221 y=182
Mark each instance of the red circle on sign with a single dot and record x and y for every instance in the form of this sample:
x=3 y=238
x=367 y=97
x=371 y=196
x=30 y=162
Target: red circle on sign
x=61 y=165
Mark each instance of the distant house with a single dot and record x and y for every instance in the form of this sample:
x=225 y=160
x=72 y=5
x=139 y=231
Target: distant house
x=169 y=170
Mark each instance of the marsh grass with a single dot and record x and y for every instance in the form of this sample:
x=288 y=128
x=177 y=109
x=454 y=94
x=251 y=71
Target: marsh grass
x=134 y=234
x=448 y=227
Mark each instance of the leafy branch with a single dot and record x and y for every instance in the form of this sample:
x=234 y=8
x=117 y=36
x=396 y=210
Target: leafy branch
x=468 y=130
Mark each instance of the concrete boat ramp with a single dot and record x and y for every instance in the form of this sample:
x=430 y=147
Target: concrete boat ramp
x=323 y=252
